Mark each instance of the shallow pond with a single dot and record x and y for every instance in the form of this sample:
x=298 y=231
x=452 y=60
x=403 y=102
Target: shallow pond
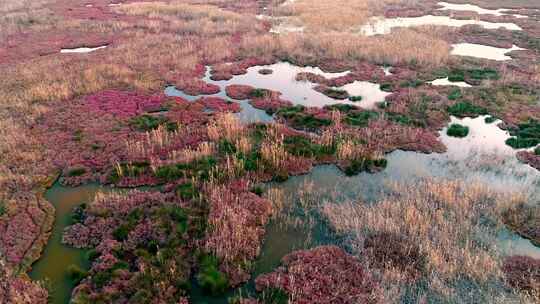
x=380 y=25
x=446 y=82
x=483 y=51
x=283 y=79
x=82 y=49
x=477 y=9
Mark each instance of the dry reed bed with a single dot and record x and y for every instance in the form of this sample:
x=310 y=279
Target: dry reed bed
x=443 y=227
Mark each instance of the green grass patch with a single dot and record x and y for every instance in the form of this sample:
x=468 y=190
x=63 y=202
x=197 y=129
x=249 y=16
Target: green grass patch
x=490 y=119
x=386 y=87
x=336 y=93
x=209 y=277
x=465 y=108
x=360 y=119
x=187 y=191
x=300 y=120
x=147 y=122
x=364 y=164
x=455 y=94
x=526 y=135
x=457 y=130
x=196 y=169
x=355 y=98
x=76 y=274
x=301 y=146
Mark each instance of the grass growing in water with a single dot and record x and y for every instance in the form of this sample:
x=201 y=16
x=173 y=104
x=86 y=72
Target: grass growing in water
x=457 y=130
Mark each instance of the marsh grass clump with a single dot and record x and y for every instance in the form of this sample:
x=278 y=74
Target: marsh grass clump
x=147 y=122
x=457 y=130
x=299 y=119
x=360 y=118
x=304 y=147
x=391 y=250
x=455 y=94
x=524 y=220
x=465 y=108
x=355 y=98
x=526 y=135
x=523 y=272
x=199 y=168
x=336 y=93
x=76 y=274
x=209 y=277
x=490 y=119
x=474 y=75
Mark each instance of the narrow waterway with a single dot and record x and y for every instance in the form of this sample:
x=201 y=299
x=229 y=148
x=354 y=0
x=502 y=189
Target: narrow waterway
x=56 y=258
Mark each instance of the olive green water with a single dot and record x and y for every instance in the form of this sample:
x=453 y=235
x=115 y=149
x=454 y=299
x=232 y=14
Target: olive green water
x=53 y=264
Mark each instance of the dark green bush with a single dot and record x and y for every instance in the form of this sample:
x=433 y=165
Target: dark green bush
x=342 y=107
x=274 y=296
x=121 y=232
x=457 y=130
x=360 y=119
x=490 y=119
x=355 y=98
x=464 y=108
x=187 y=191
x=526 y=135
x=3 y=208
x=226 y=147
x=147 y=122
x=336 y=93
x=455 y=94
x=77 y=171
x=209 y=277
x=258 y=190
x=91 y=255
x=357 y=166
x=386 y=87
x=302 y=146
x=76 y=274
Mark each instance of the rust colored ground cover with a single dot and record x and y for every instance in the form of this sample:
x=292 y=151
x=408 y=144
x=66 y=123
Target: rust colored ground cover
x=324 y=274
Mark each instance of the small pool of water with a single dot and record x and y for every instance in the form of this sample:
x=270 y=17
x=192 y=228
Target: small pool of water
x=483 y=51
x=381 y=26
x=82 y=50
x=446 y=82
x=56 y=258
x=477 y=9
x=283 y=79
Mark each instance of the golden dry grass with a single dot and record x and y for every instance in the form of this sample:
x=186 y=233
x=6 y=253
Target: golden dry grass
x=337 y=15
x=444 y=219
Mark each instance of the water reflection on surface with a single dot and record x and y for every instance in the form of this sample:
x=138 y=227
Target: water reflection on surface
x=283 y=80
x=381 y=26
x=483 y=51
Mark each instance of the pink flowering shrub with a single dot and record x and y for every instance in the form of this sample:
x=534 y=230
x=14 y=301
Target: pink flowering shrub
x=325 y=274
x=195 y=86
x=239 y=92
